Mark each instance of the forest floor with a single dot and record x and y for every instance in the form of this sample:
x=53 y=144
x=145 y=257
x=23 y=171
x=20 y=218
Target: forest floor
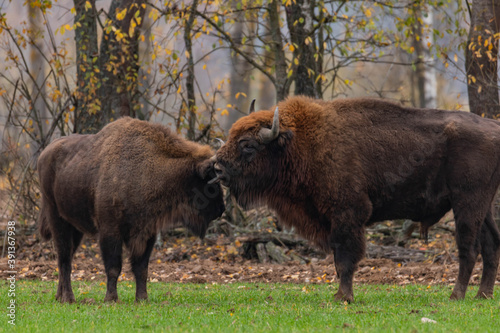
x=223 y=259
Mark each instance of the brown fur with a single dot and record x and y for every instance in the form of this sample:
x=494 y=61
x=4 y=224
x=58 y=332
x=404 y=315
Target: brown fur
x=125 y=183
x=340 y=165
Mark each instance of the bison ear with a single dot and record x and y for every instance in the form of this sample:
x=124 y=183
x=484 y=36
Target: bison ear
x=284 y=138
x=205 y=168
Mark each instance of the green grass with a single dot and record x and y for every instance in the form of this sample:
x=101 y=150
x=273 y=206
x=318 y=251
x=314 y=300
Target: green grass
x=250 y=307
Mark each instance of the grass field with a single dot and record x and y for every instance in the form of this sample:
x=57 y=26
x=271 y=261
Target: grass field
x=251 y=307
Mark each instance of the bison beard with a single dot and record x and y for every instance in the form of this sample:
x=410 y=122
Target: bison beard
x=124 y=183
x=331 y=168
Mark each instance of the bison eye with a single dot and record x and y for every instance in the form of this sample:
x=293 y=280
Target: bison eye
x=248 y=149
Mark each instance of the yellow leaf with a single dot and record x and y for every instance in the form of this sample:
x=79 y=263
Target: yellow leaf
x=216 y=18
x=179 y=90
x=455 y=58
x=291 y=48
x=121 y=15
x=412 y=49
x=205 y=66
x=368 y=12
x=224 y=112
x=87 y=5
x=187 y=54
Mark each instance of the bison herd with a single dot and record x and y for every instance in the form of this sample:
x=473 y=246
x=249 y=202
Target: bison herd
x=327 y=168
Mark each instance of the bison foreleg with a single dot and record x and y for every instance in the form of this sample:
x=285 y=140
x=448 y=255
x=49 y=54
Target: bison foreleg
x=140 y=269
x=67 y=239
x=490 y=251
x=111 y=248
x=349 y=249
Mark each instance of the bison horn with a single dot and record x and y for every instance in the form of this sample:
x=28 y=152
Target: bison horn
x=222 y=143
x=252 y=106
x=267 y=135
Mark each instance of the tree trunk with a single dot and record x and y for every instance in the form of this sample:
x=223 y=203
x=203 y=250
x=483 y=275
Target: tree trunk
x=282 y=83
x=119 y=61
x=430 y=87
x=191 y=98
x=37 y=71
x=481 y=58
x=240 y=73
x=145 y=51
x=425 y=70
x=87 y=110
x=300 y=15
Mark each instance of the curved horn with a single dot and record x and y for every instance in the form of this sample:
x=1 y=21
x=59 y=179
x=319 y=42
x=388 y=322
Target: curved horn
x=252 y=106
x=222 y=143
x=267 y=135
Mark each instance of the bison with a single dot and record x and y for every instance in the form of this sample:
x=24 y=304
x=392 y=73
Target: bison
x=331 y=168
x=124 y=183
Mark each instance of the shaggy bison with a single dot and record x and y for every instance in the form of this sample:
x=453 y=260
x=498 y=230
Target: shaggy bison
x=124 y=183
x=330 y=168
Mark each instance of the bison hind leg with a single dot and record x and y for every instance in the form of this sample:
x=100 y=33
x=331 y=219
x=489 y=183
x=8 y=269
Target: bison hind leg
x=111 y=248
x=490 y=251
x=467 y=239
x=139 y=263
x=67 y=239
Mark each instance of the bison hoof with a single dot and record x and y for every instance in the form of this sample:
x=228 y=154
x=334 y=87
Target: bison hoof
x=111 y=298
x=456 y=297
x=340 y=297
x=66 y=298
x=484 y=295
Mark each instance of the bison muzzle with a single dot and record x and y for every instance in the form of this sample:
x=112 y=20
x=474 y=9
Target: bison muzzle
x=331 y=168
x=124 y=183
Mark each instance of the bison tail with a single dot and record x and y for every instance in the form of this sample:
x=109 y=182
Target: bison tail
x=43 y=224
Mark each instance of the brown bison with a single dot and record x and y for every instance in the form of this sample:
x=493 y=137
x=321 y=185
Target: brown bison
x=330 y=168
x=124 y=183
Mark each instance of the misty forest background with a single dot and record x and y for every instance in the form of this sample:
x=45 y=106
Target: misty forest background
x=74 y=66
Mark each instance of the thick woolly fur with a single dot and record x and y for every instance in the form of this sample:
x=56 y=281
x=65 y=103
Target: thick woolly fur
x=124 y=183
x=338 y=166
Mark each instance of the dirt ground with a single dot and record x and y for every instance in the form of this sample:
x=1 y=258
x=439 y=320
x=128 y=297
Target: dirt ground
x=225 y=260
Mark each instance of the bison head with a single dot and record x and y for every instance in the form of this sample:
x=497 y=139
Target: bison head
x=250 y=161
x=204 y=200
